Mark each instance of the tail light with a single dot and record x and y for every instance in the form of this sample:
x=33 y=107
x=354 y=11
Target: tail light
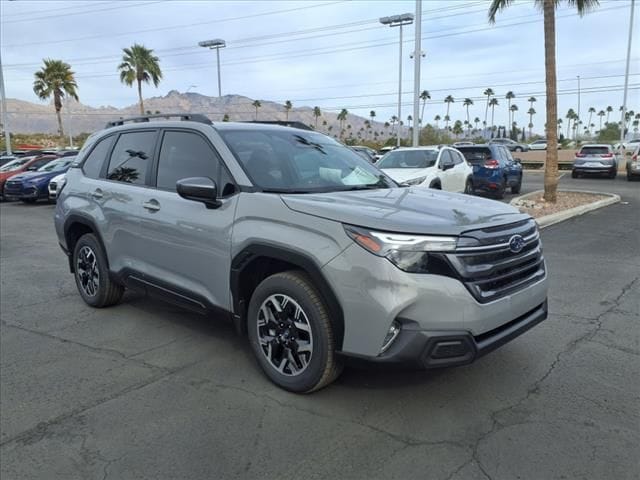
x=606 y=155
x=492 y=164
x=634 y=157
x=580 y=155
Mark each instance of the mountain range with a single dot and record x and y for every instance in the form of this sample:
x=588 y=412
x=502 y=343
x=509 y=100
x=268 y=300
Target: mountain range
x=27 y=117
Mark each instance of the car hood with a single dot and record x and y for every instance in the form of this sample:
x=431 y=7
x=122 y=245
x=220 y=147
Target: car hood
x=409 y=210
x=5 y=175
x=31 y=176
x=404 y=174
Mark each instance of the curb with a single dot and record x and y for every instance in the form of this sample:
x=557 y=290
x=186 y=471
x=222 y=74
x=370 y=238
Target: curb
x=552 y=219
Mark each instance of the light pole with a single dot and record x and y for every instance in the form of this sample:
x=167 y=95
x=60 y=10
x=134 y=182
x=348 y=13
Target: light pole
x=216 y=45
x=5 y=121
x=399 y=21
x=626 y=82
x=576 y=139
x=416 y=75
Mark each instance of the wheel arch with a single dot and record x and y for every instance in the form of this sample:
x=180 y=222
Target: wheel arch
x=257 y=261
x=75 y=226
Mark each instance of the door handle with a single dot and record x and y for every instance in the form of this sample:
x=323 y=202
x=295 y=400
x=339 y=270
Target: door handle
x=97 y=193
x=152 y=205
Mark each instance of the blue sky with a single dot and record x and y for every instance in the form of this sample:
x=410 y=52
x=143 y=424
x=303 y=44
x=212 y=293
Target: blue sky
x=333 y=54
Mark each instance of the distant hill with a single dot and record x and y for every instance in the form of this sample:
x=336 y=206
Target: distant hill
x=27 y=117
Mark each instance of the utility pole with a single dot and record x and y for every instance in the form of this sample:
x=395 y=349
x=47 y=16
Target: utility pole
x=626 y=82
x=5 y=120
x=578 y=120
x=216 y=45
x=416 y=74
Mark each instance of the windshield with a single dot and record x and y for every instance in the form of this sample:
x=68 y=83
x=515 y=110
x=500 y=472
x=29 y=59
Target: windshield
x=409 y=159
x=594 y=150
x=14 y=164
x=57 y=165
x=299 y=162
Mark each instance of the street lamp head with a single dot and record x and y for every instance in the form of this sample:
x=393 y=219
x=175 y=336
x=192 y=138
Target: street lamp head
x=395 y=20
x=215 y=43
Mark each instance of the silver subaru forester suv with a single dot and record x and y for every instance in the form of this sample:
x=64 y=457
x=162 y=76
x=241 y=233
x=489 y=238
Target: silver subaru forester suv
x=308 y=248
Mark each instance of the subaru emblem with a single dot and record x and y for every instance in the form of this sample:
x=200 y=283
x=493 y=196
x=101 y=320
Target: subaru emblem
x=516 y=243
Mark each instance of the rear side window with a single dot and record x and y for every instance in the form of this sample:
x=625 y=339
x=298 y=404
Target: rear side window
x=132 y=157
x=476 y=156
x=457 y=158
x=92 y=165
x=185 y=155
x=409 y=159
x=594 y=150
x=40 y=163
x=507 y=154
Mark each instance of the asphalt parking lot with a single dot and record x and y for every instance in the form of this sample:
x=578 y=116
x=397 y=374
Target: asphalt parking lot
x=144 y=390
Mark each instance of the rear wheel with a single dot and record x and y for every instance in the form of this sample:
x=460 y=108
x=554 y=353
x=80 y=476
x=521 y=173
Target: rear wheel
x=290 y=333
x=574 y=174
x=502 y=189
x=518 y=149
x=468 y=187
x=613 y=173
x=92 y=274
x=518 y=186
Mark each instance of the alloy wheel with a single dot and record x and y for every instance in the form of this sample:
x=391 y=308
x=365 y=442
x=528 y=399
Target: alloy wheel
x=284 y=335
x=87 y=271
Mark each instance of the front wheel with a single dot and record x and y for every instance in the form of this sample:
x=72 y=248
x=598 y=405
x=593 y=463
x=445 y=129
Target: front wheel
x=291 y=334
x=517 y=187
x=29 y=200
x=92 y=274
x=518 y=149
x=468 y=187
x=574 y=174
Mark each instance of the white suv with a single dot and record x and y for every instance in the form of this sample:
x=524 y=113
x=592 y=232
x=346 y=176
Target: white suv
x=442 y=168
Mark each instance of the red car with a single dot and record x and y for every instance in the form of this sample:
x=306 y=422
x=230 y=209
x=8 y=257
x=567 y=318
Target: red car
x=22 y=164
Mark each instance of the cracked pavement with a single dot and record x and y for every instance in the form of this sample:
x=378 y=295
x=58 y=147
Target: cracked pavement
x=146 y=390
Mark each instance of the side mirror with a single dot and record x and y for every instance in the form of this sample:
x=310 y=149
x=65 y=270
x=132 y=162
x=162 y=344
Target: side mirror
x=447 y=166
x=199 y=189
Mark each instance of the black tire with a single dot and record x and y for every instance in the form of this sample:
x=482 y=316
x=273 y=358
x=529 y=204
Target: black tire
x=517 y=187
x=89 y=251
x=468 y=187
x=518 y=149
x=574 y=174
x=322 y=366
x=435 y=186
x=499 y=194
x=613 y=174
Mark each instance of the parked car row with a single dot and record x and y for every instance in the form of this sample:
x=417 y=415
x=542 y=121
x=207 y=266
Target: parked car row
x=27 y=178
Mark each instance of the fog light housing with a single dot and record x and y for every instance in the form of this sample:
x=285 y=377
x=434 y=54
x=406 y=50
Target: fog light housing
x=392 y=334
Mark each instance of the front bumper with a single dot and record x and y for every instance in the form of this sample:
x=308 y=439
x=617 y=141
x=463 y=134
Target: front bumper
x=596 y=167
x=436 y=349
x=21 y=192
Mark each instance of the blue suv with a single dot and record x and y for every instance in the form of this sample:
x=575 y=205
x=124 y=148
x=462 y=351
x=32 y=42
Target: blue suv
x=33 y=186
x=494 y=169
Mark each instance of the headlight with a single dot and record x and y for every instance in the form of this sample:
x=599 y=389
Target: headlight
x=407 y=252
x=416 y=181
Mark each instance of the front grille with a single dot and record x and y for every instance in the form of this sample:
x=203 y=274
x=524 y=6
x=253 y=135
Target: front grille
x=13 y=187
x=490 y=270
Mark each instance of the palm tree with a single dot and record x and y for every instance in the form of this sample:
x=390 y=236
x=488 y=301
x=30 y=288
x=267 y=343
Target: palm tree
x=317 y=113
x=437 y=118
x=256 y=104
x=513 y=109
x=489 y=93
x=457 y=128
x=448 y=100
x=342 y=117
x=372 y=115
x=509 y=96
x=394 y=120
x=531 y=113
x=570 y=116
x=609 y=110
x=139 y=64
x=287 y=106
x=467 y=103
x=386 y=127
x=424 y=96
x=559 y=126
x=493 y=103
x=55 y=79
x=531 y=101
x=549 y=13
x=477 y=121
x=225 y=118
x=601 y=114
x=591 y=112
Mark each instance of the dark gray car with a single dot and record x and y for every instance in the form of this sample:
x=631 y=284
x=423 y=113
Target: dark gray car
x=511 y=145
x=308 y=248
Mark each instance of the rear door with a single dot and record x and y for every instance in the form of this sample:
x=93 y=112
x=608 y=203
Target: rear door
x=512 y=168
x=460 y=169
x=188 y=246
x=446 y=171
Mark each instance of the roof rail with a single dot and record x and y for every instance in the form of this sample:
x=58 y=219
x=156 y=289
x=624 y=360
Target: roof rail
x=185 y=117
x=284 y=123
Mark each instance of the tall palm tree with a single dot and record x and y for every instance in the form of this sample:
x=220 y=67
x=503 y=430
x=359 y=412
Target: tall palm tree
x=531 y=101
x=513 y=109
x=55 y=79
x=372 y=115
x=570 y=116
x=256 y=104
x=609 y=110
x=139 y=64
x=467 y=103
x=476 y=121
x=225 y=118
x=448 y=100
x=549 y=16
x=342 y=117
x=447 y=119
x=531 y=113
x=386 y=127
x=559 y=126
x=591 y=112
x=509 y=96
x=424 y=96
x=489 y=93
x=601 y=114
x=317 y=113
x=493 y=103
x=437 y=118
x=287 y=106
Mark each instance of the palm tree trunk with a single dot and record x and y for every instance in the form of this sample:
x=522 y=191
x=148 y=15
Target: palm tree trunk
x=140 y=97
x=60 y=131
x=493 y=109
x=600 y=123
x=57 y=104
x=551 y=164
x=424 y=104
x=486 y=114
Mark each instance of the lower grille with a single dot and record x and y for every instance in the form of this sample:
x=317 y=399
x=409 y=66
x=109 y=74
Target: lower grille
x=492 y=270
